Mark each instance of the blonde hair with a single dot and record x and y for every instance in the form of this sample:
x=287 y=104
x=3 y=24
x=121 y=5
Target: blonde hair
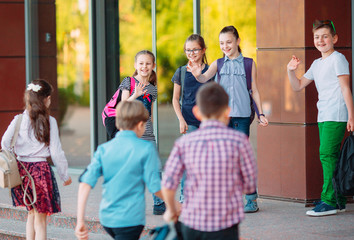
x=130 y=113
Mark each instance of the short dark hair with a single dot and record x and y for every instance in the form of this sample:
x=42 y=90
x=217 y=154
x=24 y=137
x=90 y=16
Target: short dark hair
x=130 y=113
x=317 y=24
x=212 y=99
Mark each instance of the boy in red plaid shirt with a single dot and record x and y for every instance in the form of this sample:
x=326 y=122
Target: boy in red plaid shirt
x=220 y=167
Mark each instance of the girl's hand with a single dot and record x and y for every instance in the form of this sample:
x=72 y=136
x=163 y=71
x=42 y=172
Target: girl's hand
x=350 y=125
x=139 y=89
x=183 y=126
x=67 y=182
x=293 y=64
x=263 y=121
x=195 y=68
x=81 y=231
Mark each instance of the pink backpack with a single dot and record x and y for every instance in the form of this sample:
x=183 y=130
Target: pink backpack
x=110 y=108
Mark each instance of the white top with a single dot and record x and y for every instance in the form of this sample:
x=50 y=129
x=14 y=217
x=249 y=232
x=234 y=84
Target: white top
x=29 y=149
x=331 y=105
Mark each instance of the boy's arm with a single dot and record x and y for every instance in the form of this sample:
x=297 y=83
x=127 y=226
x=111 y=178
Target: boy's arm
x=296 y=83
x=344 y=82
x=81 y=230
x=248 y=167
x=196 y=70
x=171 y=213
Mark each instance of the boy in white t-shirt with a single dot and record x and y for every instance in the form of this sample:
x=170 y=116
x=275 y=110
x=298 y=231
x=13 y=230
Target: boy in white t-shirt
x=335 y=107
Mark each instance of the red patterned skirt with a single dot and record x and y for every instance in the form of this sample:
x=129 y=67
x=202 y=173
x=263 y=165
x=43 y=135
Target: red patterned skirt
x=48 y=198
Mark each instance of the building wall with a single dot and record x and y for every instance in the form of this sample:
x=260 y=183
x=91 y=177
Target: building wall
x=288 y=161
x=13 y=56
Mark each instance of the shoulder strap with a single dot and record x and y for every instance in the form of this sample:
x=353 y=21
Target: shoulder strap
x=182 y=77
x=132 y=85
x=248 y=69
x=248 y=62
x=17 y=129
x=219 y=64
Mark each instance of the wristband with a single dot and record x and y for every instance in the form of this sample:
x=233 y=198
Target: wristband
x=262 y=115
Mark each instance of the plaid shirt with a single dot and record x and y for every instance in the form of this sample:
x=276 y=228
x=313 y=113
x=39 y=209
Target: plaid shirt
x=220 y=166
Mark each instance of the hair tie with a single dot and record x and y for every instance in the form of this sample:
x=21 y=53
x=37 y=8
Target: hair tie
x=34 y=87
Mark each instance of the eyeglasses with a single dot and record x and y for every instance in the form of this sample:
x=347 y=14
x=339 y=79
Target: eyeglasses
x=327 y=22
x=195 y=51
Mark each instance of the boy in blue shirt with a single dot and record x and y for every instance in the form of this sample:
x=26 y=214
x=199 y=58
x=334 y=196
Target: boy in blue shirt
x=335 y=107
x=126 y=163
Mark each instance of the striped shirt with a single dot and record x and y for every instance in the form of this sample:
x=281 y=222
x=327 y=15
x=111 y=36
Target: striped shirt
x=147 y=100
x=220 y=166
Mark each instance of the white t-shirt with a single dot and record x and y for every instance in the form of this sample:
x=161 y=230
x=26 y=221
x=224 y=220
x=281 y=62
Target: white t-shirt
x=331 y=105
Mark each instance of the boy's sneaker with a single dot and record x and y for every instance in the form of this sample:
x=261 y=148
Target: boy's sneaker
x=159 y=209
x=322 y=209
x=340 y=208
x=251 y=205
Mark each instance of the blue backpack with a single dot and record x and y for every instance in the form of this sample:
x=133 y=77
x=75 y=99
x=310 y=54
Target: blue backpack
x=248 y=70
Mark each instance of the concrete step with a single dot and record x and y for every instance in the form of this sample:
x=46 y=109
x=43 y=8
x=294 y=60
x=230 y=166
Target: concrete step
x=15 y=229
x=60 y=226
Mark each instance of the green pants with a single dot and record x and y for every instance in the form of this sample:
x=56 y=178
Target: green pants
x=331 y=136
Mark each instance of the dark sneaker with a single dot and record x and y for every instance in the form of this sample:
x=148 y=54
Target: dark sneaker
x=340 y=208
x=159 y=209
x=322 y=209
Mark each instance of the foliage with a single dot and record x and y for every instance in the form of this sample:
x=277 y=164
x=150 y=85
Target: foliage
x=73 y=50
x=173 y=27
x=174 y=24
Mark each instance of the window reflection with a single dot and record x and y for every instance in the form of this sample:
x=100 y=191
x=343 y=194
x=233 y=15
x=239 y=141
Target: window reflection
x=73 y=66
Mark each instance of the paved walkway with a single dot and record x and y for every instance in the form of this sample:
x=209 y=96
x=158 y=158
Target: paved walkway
x=275 y=220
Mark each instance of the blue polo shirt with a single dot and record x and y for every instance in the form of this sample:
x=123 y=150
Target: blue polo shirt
x=126 y=163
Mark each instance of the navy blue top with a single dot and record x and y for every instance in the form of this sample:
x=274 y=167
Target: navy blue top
x=191 y=86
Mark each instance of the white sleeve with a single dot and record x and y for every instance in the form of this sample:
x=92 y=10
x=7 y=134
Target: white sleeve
x=341 y=65
x=7 y=137
x=309 y=73
x=56 y=152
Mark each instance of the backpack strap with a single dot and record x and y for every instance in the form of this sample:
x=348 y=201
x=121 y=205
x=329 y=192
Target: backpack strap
x=248 y=62
x=17 y=129
x=219 y=64
x=132 y=85
x=182 y=76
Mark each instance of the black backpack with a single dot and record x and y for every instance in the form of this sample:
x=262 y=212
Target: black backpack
x=343 y=177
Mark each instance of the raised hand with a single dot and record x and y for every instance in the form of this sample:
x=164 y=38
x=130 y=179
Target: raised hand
x=139 y=89
x=195 y=68
x=293 y=64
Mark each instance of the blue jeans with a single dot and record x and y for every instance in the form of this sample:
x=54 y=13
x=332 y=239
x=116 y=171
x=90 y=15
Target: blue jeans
x=241 y=124
x=191 y=128
x=157 y=200
x=125 y=233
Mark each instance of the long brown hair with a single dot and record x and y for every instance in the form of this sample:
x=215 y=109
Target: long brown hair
x=38 y=111
x=152 y=78
x=200 y=40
